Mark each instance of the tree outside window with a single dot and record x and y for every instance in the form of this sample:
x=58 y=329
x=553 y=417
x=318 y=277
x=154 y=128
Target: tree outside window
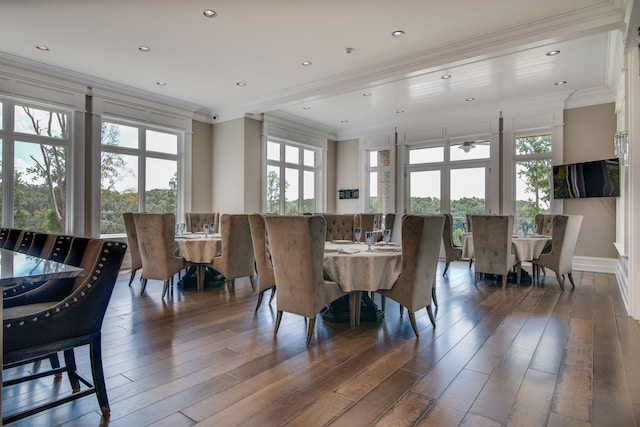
x=533 y=178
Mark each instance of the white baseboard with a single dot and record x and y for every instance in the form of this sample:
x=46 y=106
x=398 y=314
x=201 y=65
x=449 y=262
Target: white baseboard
x=594 y=264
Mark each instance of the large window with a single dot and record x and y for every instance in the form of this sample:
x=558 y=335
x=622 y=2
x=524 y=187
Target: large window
x=532 y=177
x=36 y=146
x=448 y=177
x=292 y=178
x=138 y=172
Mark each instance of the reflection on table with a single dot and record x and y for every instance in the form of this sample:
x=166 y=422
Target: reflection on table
x=357 y=270
x=18 y=268
x=200 y=251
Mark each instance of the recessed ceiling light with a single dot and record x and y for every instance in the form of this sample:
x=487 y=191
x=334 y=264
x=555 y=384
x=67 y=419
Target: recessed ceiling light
x=209 y=13
x=161 y=83
x=144 y=49
x=446 y=76
x=552 y=52
x=306 y=107
x=241 y=84
x=344 y=121
x=560 y=83
x=470 y=99
x=42 y=48
x=399 y=111
x=397 y=33
x=306 y=63
x=366 y=94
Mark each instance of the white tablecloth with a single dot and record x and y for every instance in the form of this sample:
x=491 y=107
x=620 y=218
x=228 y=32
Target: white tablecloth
x=199 y=249
x=526 y=248
x=362 y=270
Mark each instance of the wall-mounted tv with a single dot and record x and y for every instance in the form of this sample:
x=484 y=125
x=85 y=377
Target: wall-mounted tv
x=600 y=178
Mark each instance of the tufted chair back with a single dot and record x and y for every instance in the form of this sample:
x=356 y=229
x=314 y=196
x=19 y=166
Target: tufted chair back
x=544 y=223
x=492 y=236
x=367 y=221
x=297 y=248
x=156 y=242
x=339 y=226
x=132 y=238
x=195 y=221
x=264 y=267
x=236 y=257
x=564 y=236
x=389 y=221
x=451 y=252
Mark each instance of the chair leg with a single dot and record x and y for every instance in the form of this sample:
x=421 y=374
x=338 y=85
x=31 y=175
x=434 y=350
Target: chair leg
x=470 y=262
x=144 y=285
x=70 y=365
x=518 y=273
x=253 y=285
x=412 y=319
x=573 y=285
x=446 y=267
x=278 y=319
x=434 y=297
x=133 y=274
x=229 y=285
x=164 y=289
x=383 y=302
x=504 y=281
x=260 y=295
x=312 y=325
x=431 y=317
x=401 y=310
x=95 y=348
x=273 y=294
x=560 y=281
x=476 y=277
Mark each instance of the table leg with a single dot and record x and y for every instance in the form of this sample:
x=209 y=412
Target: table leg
x=354 y=308
x=200 y=272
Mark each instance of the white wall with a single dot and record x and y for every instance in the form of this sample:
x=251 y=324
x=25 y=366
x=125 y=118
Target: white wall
x=348 y=169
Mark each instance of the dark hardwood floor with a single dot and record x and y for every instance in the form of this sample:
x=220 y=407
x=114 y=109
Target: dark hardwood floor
x=526 y=356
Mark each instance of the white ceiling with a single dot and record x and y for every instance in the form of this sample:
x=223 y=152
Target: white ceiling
x=493 y=49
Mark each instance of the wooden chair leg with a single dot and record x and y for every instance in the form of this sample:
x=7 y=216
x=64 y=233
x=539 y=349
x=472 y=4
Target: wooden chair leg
x=560 y=281
x=273 y=294
x=133 y=273
x=434 y=297
x=431 y=317
x=446 y=267
x=401 y=310
x=260 y=295
x=70 y=365
x=229 y=285
x=470 y=262
x=164 y=288
x=144 y=285
x=412 y=319
x=278 y=319
x=95 y=349
x=573 y=285
x=312 y=325
x=253 y=284
x=504 y=281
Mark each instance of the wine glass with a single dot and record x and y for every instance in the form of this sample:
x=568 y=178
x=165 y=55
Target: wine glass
x=181 y=228
x=535 y=228
x=357 y=233
x=369 y=238
x=205 y=228
x=387 y=235
x=212 y=228
x=525 y=229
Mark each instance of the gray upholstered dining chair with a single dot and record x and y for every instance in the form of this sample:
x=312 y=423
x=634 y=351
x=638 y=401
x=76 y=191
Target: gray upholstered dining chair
x=451 y=252
x=421 y=237
x=544 y=223
x=132 y=239
x=195 y=220
x=389 y=221
x=236 y=257
x=492 y=245
x=297 y=250
x=263 y=265
x=564 y=236
x=156 y=241
x=339 y=226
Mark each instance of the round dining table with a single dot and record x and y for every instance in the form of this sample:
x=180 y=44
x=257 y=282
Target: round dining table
x=199 y=250
x=359 y=271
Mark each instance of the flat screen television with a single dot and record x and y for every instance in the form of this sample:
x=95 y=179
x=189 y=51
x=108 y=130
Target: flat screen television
x=600 y=178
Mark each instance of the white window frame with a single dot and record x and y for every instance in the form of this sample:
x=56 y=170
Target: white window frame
x=9 y=139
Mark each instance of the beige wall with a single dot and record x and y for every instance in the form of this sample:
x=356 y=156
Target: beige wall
x=253 y=166
x=201 y=177
x=347 y=175
x=332 y=172
x=588 y=135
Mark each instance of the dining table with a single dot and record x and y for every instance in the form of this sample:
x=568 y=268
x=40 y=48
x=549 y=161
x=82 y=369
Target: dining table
x=17 y=268
x=359 y=271
x=199 y=249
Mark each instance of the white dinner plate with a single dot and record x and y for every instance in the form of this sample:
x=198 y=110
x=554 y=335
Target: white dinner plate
x=386 y=248
x=341 y=242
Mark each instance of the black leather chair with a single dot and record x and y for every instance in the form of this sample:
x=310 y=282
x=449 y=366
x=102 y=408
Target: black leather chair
x=45 y=324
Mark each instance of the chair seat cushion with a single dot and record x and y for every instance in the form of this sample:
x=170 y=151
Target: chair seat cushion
x=26 y=310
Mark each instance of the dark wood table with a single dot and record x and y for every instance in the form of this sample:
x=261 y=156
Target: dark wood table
x=17 y=268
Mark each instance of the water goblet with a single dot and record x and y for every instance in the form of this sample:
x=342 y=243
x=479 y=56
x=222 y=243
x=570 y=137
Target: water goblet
x=181 y=228
x=205 y=228
x=357 y=233
x=212 y=229
x=535 y=228
x=387 y=235
x=525 y=229
x=369 y=238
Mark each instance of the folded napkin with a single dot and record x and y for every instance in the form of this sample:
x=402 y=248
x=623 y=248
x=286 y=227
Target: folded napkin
x=348 y=251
